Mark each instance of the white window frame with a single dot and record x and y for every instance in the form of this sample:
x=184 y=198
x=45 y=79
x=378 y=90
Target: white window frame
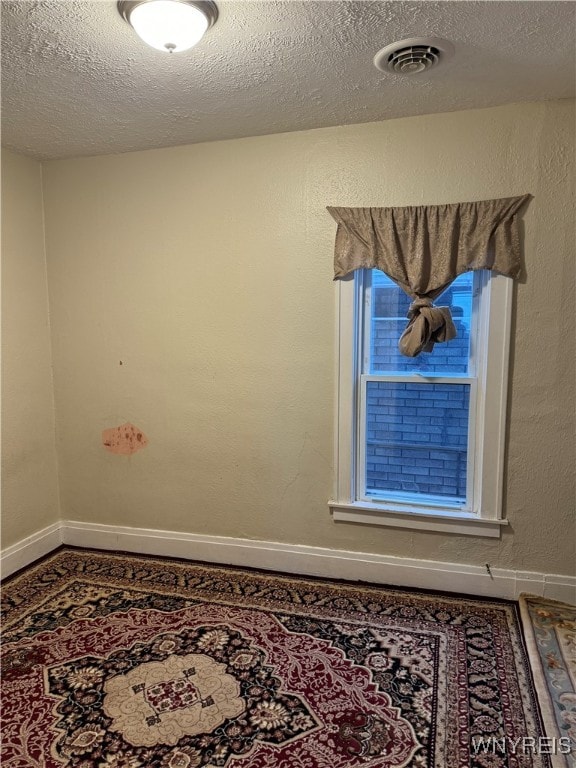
x=486 y=443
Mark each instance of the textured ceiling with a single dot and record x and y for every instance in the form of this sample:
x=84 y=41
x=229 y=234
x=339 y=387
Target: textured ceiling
x=77 y=81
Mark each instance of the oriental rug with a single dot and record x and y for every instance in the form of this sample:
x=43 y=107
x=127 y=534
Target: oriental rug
x=550 y=629
x=123 y=661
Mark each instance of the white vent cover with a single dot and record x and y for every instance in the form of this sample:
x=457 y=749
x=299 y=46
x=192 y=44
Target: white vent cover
x=409 y=57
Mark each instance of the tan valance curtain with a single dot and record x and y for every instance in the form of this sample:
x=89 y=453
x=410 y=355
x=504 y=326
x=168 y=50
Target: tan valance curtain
x=424 y=248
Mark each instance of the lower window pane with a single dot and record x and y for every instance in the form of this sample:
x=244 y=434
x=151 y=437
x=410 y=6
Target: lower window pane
x=417 y=440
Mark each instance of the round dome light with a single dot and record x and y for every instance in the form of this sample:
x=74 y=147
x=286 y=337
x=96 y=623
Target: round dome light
x=169 y=25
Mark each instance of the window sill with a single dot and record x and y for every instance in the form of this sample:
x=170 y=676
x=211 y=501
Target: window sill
x=461 y=523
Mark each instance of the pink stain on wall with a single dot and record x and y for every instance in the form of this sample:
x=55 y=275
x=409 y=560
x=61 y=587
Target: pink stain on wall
x=124 y=440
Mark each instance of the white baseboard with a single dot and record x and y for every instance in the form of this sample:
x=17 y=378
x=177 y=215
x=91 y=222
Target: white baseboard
x=31 y=548
x=313 y=561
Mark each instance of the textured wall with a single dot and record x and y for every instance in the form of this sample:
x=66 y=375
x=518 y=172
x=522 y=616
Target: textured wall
x=29 y=474
x=191 y=297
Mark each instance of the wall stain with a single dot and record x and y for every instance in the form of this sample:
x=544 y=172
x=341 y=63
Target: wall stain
x=124 y=440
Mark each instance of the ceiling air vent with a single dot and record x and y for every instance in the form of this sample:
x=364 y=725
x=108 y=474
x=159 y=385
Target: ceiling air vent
x=417 y=54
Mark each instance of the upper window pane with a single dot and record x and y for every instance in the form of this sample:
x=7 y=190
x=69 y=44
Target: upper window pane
x=388 y=310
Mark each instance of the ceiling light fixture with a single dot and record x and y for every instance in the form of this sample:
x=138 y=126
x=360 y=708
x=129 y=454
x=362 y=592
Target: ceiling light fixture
x=169 y=25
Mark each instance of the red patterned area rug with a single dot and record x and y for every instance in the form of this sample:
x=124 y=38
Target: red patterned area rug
x=123 y=661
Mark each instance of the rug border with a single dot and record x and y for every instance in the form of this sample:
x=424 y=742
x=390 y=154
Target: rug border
x=548 y=718
x=73 y=548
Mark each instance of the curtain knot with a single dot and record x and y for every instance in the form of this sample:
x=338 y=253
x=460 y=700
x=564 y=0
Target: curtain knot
x=417 y=305
x=428 y=325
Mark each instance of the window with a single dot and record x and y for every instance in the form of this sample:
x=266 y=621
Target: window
x=420 y=441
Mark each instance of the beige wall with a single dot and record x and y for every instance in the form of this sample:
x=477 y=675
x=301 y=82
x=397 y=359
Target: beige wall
x=29 y=473
x=206 y=270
